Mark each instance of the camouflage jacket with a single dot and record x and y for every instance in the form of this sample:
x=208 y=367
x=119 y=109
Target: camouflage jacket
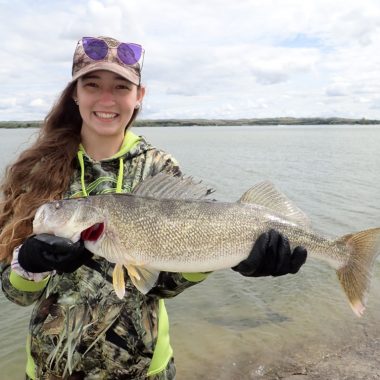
x=79 y=328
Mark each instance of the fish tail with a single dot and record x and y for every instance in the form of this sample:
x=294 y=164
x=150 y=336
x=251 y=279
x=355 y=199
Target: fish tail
x=355 y=276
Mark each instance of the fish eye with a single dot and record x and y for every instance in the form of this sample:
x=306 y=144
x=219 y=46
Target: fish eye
x=57 y=205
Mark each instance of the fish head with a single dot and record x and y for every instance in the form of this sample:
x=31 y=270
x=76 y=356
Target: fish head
x=67 y=218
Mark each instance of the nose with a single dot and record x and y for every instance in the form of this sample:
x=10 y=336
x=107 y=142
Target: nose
x=107 y=97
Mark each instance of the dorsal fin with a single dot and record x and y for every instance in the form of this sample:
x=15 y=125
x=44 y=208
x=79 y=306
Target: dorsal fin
x=265 y=194
x=166 y=186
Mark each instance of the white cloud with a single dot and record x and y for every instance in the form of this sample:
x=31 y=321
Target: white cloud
x=38 y=103
x=215 y=58
x=6 y=103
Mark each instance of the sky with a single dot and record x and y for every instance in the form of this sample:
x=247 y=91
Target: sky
x=203 y=58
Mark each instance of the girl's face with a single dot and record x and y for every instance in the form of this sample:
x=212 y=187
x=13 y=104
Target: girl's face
x=106 y=103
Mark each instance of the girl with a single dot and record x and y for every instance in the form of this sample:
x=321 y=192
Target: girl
x=79 y=328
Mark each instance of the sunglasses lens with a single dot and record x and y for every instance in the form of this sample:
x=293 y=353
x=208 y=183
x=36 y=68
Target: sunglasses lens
x=96 y=49
x=129 y=53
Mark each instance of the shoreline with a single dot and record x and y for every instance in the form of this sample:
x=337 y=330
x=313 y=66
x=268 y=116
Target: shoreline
x=283 y=121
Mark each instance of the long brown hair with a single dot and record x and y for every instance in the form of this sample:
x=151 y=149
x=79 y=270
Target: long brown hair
x=41 y=173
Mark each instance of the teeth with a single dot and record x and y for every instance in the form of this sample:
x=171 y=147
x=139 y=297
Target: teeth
x=105 y=115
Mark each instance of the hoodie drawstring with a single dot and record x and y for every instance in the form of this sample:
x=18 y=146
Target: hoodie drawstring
x=120 y=176
x=81 y=163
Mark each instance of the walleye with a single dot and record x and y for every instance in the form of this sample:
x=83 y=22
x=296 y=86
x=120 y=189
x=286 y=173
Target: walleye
x=167 y=224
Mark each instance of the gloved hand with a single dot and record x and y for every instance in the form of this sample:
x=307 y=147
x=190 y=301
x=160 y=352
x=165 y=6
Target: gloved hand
x=271 y=256
x=45 y=252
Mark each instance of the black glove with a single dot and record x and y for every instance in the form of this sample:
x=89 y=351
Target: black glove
x=45 y=252
x=271 y=256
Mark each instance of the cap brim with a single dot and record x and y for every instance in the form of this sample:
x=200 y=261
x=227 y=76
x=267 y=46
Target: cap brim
x=125 y=72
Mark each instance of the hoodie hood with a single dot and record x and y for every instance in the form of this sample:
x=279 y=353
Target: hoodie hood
x=132 y=146
x=107 y=175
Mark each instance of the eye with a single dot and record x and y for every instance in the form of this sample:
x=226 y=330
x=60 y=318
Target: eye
x=91 y=84
x=122 y=87
x=57 y=205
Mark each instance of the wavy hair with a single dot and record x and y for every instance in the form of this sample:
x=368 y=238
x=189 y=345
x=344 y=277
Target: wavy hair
x=41 y=173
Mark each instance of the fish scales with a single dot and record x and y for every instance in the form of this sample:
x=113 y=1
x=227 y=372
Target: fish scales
x=189 y=234
x=200 y=236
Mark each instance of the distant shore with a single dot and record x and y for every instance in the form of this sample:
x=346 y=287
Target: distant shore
x=220 y=122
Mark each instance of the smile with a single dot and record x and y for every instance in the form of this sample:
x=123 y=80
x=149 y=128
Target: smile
x=106 y=115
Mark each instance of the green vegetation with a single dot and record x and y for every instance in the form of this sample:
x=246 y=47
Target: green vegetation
x=20 y=124
x=238 y=122
x=218 y=122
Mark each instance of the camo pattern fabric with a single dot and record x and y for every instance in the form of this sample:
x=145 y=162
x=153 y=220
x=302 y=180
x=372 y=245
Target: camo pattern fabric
x=141 y=161
x=79 y=328
x=168 y=374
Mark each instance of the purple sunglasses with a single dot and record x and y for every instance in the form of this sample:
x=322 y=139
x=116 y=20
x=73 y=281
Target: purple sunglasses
x=97 y=49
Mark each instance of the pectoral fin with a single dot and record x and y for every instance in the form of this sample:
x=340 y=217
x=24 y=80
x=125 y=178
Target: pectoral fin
x=118 y=280
x=143 y=278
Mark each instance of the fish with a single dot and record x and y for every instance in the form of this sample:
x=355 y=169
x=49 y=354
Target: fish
x=169 y=224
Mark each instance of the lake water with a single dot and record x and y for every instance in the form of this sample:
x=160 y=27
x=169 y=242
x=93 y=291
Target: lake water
x=231 y=327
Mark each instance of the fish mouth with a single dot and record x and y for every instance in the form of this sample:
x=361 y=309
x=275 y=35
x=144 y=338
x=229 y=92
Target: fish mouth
x=92 y=233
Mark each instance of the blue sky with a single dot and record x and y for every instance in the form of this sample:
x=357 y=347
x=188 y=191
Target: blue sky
x=204 y=59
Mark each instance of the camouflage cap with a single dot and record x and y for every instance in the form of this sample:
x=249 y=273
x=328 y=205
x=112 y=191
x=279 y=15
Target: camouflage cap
x=105 y=53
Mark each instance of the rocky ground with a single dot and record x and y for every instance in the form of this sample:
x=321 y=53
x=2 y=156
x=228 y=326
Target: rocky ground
x=353 y=362
x=358 y=361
